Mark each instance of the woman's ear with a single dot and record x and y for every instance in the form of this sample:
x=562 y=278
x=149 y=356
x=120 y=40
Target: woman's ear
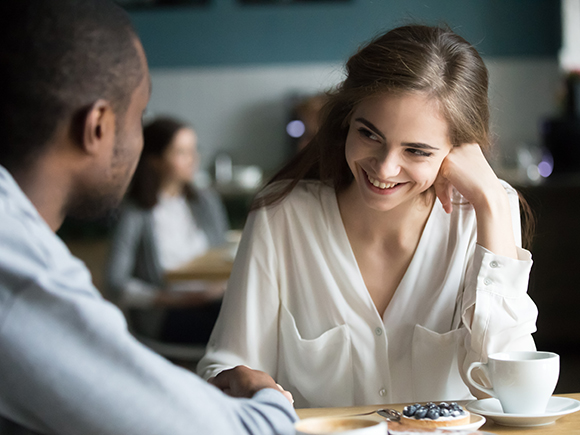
x=99 y=128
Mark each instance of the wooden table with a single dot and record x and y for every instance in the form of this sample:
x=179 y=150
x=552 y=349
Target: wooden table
x=215 y=265
x=569 y=424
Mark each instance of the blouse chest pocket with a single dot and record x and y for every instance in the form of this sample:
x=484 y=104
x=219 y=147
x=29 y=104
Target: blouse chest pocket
x=318 y=371
x=435 y=366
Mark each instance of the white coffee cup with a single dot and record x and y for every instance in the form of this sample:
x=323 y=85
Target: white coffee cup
x=522 y=381
x=340 y=426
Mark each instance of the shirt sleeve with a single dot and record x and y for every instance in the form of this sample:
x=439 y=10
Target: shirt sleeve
x=69 y=366
x=246 y=331
x=219 y=214
x=127 y=290
x=213 y=216
x=497 y=312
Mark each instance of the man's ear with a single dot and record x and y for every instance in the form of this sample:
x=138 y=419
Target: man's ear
x=98 y=127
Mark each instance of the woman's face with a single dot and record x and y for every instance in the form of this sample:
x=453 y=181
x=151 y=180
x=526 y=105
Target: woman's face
x=394 y=148
x=180 y=159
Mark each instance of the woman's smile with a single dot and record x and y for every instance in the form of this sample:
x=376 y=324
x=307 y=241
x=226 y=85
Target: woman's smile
x=381 y=187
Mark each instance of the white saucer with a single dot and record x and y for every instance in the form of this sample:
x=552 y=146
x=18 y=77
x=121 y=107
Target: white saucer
x=557 y=407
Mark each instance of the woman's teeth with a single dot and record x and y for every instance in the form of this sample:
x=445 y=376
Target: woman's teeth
x=380 y=185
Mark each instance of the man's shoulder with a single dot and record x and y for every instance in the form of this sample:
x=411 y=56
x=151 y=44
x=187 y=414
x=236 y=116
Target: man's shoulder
x=31 y=252
x=21 y=232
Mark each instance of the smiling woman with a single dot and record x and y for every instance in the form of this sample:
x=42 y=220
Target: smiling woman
x=386 y=257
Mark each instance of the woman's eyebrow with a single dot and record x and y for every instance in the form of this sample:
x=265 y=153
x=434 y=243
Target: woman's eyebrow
x=419 y=145
x=371 y=126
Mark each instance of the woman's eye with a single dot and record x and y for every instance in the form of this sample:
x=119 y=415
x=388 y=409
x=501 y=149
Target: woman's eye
x=419 y=153
x=368 y=134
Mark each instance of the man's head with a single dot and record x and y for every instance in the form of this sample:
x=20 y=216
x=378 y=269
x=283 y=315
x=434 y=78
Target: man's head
x=72 y=71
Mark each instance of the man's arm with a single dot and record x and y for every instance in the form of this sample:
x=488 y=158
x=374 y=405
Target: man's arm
x=70 y=366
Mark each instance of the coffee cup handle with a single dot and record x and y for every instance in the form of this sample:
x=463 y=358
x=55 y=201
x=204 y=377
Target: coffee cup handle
x=477 y=385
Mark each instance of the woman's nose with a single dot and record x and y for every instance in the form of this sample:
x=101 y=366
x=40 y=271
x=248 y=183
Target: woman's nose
x=389 y=165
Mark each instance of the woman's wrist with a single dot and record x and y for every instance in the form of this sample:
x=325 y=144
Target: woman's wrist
x=492 y=202
x=494 y=223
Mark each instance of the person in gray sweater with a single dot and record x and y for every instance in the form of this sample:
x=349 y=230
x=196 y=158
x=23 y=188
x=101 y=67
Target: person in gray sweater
x=75 y=84
x=166 y=222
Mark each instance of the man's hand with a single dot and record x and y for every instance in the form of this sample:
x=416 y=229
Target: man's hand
x=242 y=381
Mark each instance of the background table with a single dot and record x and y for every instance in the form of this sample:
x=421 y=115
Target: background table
x=569 y=424
x=214 y=265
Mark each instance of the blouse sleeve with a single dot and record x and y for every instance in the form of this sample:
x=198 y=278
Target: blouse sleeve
x=497 y=311
x=246 y=331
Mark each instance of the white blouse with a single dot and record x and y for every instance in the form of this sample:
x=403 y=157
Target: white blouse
x=177 y=235
x=297 y=307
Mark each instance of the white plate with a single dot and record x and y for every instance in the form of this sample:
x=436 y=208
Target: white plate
x=557 y=407
x=475 y=423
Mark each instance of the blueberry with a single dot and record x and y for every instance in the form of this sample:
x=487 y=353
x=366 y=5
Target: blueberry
x=444 y=405
x=408 y=411
x=433 y=413
x=421 y=412
x=445 y=412
x=430 y=405
x=455 y=413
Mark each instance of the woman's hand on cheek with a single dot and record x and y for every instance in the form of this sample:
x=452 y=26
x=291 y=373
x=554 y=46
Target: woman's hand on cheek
x=443 y=190
x=466 y=169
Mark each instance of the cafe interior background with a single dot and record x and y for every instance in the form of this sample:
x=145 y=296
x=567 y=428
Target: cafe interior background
x=235 y=69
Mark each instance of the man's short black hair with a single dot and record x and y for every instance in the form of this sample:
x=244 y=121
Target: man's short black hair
x=57 y=57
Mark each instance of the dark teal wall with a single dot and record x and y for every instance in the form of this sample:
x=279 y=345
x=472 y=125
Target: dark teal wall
x=228 y=33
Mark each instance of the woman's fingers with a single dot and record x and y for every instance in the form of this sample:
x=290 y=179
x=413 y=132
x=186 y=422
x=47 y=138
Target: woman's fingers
x=466 y=169
x=286 y=394
x=443 y=190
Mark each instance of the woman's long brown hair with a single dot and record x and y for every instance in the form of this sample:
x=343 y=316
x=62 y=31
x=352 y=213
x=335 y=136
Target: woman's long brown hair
x=432 y=61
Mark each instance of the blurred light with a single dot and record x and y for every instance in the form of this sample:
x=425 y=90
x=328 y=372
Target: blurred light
x=545 y=169
x=533 y=173
x=295 y=128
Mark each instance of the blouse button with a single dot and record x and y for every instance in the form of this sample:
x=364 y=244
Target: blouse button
x=487 y=281
x=494 y=264
x=382 y=392
x=378 y=331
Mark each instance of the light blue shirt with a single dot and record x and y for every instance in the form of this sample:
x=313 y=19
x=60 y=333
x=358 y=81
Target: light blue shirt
x=68 y=364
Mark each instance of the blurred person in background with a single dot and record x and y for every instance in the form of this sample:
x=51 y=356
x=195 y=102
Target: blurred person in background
x=75 y=84
x=165 y=223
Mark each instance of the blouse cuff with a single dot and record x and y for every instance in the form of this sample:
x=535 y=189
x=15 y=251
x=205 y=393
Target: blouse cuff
x=501 y=275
